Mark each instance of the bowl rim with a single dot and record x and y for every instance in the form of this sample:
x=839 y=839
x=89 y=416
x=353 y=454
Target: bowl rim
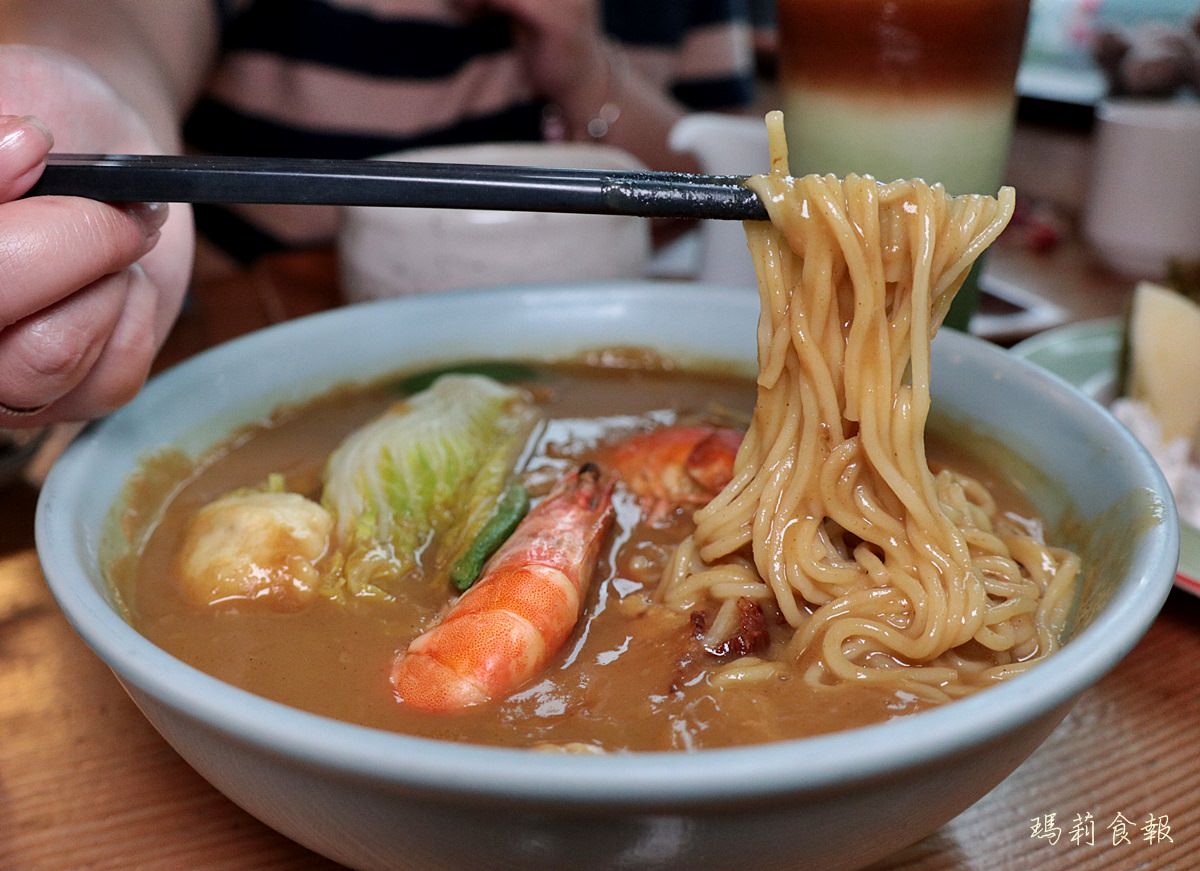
x=666 y=778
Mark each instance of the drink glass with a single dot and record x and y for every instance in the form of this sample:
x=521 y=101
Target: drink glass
x=903 y=89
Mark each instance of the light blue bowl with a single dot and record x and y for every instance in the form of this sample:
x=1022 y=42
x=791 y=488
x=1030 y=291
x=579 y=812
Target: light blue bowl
x=372 y=799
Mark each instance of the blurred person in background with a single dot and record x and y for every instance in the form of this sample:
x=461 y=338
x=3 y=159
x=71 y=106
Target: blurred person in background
x=89 y=291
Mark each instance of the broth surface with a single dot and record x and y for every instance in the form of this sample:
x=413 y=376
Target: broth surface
x=631 y=677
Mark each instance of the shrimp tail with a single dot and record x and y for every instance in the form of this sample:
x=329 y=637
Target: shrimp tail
x=518 y=615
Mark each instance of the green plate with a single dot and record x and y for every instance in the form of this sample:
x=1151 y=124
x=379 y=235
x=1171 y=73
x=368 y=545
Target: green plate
x=1085 y=354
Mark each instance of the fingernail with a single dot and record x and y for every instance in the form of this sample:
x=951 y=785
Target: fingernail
x=150 y=215
x=24 y=141
x=37 y=124
x=14 y=127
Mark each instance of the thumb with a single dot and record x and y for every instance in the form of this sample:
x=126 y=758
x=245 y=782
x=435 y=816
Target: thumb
x=24 y=143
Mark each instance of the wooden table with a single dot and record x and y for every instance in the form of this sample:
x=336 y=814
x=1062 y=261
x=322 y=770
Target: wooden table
x=85 y=782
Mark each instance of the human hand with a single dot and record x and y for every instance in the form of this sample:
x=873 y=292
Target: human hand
x=88 y=290
x=560 y=43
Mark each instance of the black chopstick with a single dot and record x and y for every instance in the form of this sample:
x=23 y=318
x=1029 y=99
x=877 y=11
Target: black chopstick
x=183 y=179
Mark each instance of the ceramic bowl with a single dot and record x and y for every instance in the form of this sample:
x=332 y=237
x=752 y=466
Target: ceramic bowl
x=386 y=252
x=1143 y=204
x=373 y=799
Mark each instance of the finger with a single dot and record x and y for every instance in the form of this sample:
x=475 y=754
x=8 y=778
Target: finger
x=52 y=246
x=546 y=16
x=124 y=363
x=24 y=143
x=44 y=357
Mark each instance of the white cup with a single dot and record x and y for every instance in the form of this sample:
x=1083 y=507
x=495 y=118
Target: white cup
x=724 y=145
x=1143 y=206
x=386 y=252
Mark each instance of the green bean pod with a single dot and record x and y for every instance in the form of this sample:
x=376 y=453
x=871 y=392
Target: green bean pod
x=511 y=508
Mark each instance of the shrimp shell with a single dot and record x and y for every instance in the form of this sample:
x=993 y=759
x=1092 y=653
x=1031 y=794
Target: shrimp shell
x=518 y=615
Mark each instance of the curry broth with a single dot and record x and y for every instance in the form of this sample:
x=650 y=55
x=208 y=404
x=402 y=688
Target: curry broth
x=631 y=677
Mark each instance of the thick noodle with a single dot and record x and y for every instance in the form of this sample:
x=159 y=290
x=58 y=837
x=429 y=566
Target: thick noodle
x=888 y=573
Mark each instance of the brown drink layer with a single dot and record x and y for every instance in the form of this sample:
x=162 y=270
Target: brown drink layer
x=913 y=46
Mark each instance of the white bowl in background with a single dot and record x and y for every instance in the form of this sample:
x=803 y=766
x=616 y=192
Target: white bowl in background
x=724 y=145
x=386 y=252
x=373 y=799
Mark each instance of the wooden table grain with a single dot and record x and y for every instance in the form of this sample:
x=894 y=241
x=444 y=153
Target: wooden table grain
x=86 y=783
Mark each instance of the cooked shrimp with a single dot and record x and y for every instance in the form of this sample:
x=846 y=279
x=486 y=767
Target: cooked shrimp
x=675 y=466
x=505 y=628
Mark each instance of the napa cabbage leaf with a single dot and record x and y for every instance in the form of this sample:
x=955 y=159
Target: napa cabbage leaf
x=413 y=489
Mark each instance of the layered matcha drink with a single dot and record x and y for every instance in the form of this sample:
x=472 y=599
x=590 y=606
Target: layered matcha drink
x=902 y=89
